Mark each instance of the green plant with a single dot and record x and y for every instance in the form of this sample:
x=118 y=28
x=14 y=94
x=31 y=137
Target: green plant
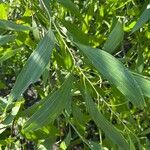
x=74 y=74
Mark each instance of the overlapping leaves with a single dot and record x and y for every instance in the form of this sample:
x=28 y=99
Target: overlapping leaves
x=104 y=124
x=52 y=106
x=115 y=72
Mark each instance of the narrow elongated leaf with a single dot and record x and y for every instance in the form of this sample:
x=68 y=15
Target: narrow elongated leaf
x=144 y=83
x=115 y=72
x=114 y=39
x=9 y=25
x=51 y=108
x=145 y=16
x=6 y=38
x=71 y=6
x=35 y=65
x=104 y=124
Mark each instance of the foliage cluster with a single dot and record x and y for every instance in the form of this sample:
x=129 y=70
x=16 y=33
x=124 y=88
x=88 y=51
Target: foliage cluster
x=74 y=74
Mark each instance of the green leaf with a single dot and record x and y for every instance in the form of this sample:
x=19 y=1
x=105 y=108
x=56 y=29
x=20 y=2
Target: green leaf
x=72 y=7
x=51 y=108
x=6 y=38
x=144 y=83
x=115 y=72
x=35 y=65
x=146 y=131
x=8 y=54
x=76 y=34
x=145 y=16
x=65 y=143
x=4 y=11
x=114 y=39
x=9 y=25
x=131 y=144
x=104 y=124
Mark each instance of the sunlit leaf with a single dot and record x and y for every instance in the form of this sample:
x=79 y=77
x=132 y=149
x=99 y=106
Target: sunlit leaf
x=8 y=54
x=71 y=6
x=77 y=35
x=35 y=65
x=114 y=39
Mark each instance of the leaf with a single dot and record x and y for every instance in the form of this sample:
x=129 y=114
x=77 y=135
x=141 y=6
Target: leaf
x=145 y=16
x=146 y=131
x=76 y=35
x=6 y=38
x=72 y=7
x=4 y=11
x=35 y=65
x=114 y=39
x=65 y=143
x=131 y=144
x=9 y=25
x=51 y=108
x=8 y=54
x=36 y=32
x=144 y=83
x=115 y=72
x=104 y=124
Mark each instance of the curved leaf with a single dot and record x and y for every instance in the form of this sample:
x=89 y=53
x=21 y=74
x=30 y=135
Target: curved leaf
x=115 y=72
x=35 y=65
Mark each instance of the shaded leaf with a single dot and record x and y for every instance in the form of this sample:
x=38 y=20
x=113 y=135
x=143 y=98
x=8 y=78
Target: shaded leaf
x=53 y=105
x=104 y=124
x=114 y=71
